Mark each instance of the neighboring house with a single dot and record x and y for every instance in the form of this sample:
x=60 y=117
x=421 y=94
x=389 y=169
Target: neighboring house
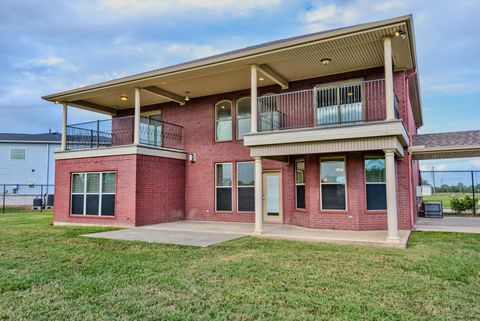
x=27 y=159
x=314 y=131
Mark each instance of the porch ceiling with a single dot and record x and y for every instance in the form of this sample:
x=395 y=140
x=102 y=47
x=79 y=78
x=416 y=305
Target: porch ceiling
x=353 y=48
x=446 y=145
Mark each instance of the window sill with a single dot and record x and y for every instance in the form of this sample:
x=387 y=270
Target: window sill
x=377 y=212
x=343 y=212
x=92 y=216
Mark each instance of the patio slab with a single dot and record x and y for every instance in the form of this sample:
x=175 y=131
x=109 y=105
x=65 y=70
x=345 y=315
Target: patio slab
x=200 y=233
x=449 y=224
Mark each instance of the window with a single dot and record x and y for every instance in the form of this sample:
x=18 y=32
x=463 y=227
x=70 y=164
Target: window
x=332 y=180
x=243 y=117
x=300 y=183
x=223 y=121
x=151 y=128
x=223 y=187
x=375 y=183
x=246 y=186
x=93 y=194
x=17 y=153
x=269 y=114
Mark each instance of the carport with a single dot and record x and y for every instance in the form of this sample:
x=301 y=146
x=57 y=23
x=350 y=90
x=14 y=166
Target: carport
x=447 y=145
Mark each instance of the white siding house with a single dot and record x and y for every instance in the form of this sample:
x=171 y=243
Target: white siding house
x=27 y=159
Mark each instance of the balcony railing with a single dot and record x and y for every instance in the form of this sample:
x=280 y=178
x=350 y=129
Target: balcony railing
x=326 y=105
x=119 y=131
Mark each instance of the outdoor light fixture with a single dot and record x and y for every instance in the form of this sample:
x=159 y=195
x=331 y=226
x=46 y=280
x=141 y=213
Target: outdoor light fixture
x=261 y=79
x=123 y=97
x=186 y=96
x=401 y=33
x=325 y=61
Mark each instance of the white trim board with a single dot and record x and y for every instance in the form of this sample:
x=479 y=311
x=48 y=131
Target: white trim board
x=119 y=151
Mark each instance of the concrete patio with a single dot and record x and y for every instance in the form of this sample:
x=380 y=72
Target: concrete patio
x=449 y=224
x=199 y=233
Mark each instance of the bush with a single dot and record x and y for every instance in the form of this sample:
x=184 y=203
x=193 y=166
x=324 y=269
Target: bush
x=460 y=205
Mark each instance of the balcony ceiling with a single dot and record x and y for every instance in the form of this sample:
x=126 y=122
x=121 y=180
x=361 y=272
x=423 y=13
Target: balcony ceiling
x=353 y=48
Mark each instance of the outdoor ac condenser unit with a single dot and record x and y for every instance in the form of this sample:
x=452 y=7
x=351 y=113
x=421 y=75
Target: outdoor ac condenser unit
x=433 y=209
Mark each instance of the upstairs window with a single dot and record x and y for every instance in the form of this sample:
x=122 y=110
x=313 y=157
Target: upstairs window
x=223 y=121
x=243 y=117
x=93 y=194
x=17 y=153
x=375 y=183
x=300 y=183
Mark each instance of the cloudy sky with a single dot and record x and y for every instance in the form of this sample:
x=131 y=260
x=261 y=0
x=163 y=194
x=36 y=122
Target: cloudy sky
x=52 y=45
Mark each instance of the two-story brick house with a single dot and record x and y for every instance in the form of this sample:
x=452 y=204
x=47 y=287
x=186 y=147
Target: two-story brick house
x=311 y=131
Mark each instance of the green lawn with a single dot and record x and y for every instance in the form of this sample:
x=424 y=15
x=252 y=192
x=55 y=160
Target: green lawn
x=52 y=273
x=445 y=198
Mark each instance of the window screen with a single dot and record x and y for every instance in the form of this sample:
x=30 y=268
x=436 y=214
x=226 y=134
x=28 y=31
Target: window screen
x=332 y=180
x=223 y=186
x=375 y=183
x=246 y=186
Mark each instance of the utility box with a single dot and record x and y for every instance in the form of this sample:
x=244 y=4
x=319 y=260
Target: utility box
x=433 y=209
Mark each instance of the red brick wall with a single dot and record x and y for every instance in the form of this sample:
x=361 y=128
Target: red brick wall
x=149 y=189
x=160 y=189
x=124 y=166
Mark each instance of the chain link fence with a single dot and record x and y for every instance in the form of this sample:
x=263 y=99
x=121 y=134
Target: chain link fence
x=459 y=191
x=38 y=196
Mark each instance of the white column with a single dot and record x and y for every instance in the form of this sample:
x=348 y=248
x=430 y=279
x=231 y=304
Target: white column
x=63 y=146
x=253 y=94
x=136 y=126
x=258 y=196
x=387 y=52
x=391 y=183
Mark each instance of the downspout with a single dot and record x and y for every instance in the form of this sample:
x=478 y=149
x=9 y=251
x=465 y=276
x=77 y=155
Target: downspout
x=48 y=165
x=410 y=136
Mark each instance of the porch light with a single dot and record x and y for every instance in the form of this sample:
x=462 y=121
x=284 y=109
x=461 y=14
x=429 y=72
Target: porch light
x=401 y=33
x=123 y=97
x=261 y=79
x=186 y=96
x=325 y=61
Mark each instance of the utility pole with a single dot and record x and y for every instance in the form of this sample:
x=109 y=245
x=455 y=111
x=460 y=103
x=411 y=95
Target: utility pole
x=433 y=179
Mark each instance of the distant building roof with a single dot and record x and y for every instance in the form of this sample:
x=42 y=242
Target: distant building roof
x=446 y=145
x=31 y=138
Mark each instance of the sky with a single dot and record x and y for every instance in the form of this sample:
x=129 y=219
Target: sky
x=54 y=45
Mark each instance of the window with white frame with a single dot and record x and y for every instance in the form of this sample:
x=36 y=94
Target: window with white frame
x=223 y=187
x=376 y=190
x=223 y=120
x=93 y=193
x=243 y=117
x=332 y=181
x=246 y=186
x=300 y=183
x=17 y=153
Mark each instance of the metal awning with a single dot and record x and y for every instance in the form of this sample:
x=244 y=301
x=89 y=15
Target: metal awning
x=446 y=145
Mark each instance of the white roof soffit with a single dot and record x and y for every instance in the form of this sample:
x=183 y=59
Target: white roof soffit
x=352 y=48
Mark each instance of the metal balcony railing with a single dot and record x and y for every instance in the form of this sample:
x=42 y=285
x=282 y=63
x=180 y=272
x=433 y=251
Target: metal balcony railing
x=324 y=105
x=119 y=131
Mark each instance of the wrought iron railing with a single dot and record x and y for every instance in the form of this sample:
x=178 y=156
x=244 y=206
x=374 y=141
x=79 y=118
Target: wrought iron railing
x=325 y=105
x=119 y=131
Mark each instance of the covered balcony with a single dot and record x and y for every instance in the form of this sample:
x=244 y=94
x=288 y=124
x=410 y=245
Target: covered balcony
x=119 y=131
x=336 y=104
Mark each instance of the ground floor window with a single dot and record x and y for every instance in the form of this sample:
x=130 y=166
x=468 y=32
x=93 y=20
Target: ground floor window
x=332 y=182
x=246 y=186
x=93 y=193
x=300 y=183
x=223 y=187
x=375 y=181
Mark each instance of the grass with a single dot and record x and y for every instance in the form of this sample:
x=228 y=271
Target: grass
x=52 y=273
x=445 y=198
